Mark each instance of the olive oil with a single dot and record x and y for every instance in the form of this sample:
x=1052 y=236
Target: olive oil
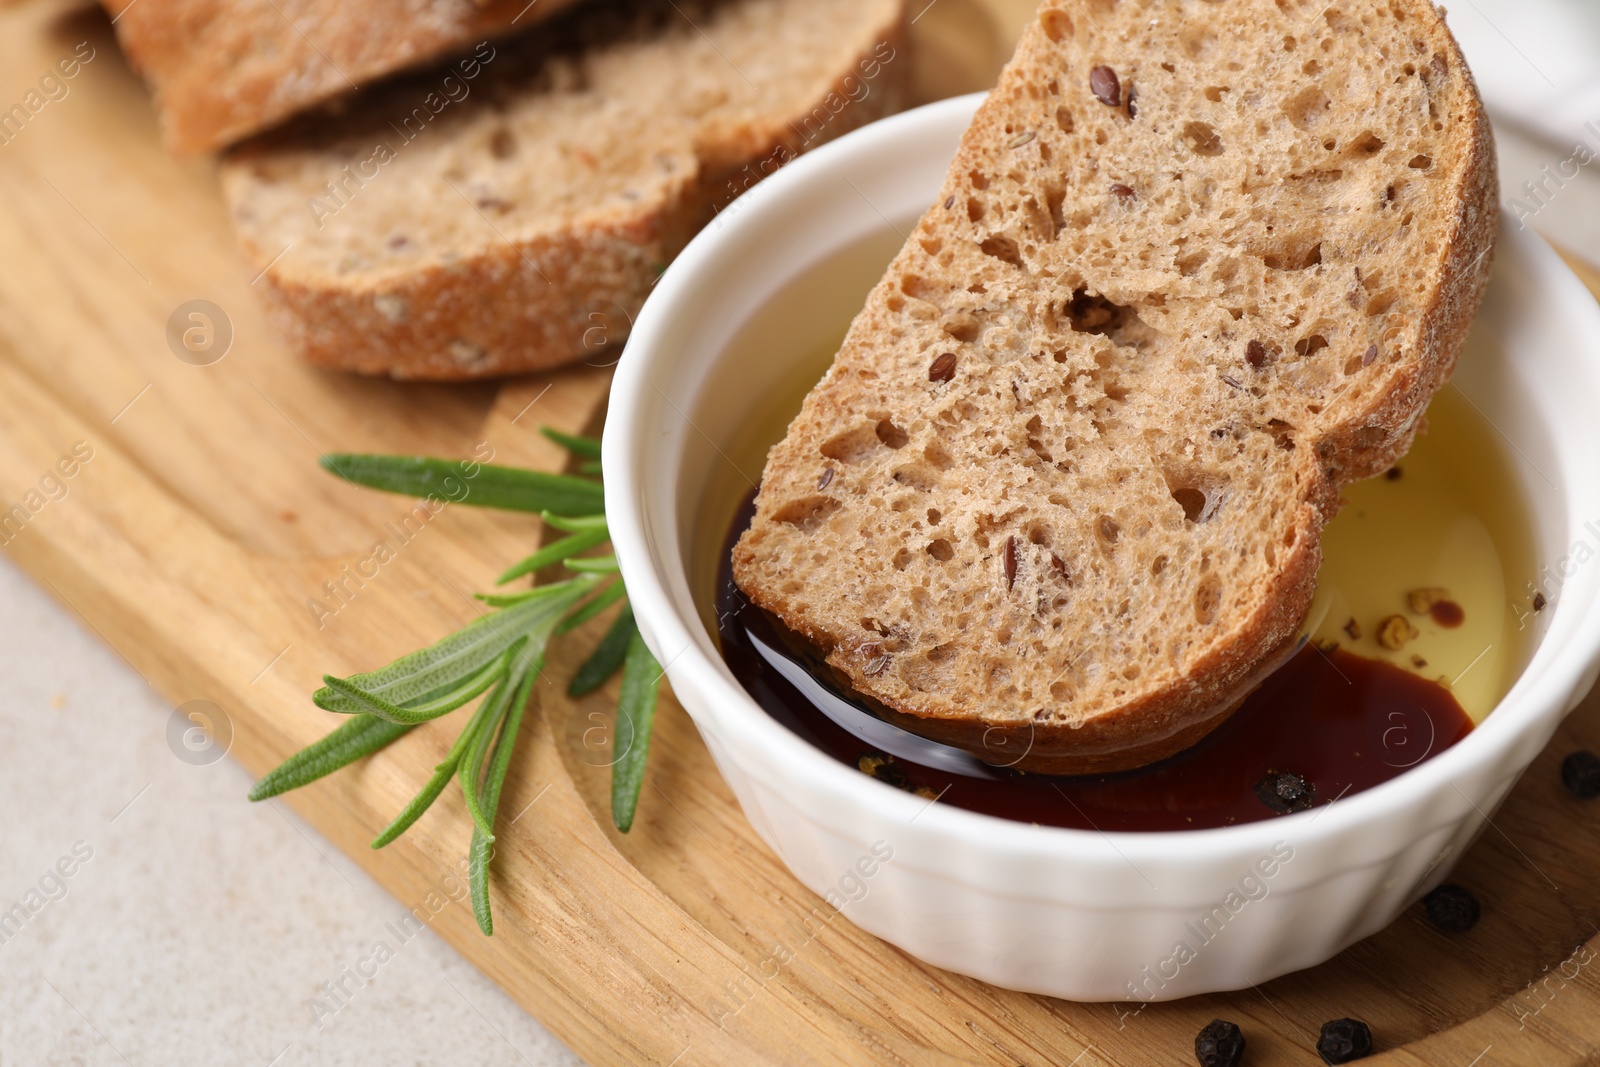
x=1448 y=517
x=728 y=484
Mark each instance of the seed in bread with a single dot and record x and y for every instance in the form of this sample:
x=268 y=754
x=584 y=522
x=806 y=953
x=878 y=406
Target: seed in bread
x=522 y=226
x=1194 y=267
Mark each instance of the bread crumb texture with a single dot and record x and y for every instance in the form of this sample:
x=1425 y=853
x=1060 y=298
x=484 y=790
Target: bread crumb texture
x=448 y=226
x=1195 y=265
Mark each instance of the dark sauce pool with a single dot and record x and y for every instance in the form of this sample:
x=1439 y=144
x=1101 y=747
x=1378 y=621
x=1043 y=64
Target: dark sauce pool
x=1342 y=722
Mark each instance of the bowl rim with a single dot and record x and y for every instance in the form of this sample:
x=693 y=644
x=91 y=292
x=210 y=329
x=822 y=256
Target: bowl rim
x=1546 y=687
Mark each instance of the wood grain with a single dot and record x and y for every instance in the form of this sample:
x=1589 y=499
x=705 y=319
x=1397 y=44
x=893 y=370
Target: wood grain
x=201 y=531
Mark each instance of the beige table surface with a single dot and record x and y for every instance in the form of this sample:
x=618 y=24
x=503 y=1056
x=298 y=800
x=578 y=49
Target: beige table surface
x=202 y=926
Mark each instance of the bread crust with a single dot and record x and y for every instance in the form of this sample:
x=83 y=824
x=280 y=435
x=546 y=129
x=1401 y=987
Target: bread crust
x=1356 y=441
x=528 y=303
x=1464 y=264
x=222 y=70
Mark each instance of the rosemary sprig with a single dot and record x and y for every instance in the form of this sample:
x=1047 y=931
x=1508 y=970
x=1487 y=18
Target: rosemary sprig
x=497 y=657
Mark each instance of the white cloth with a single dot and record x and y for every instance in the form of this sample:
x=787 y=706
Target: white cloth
x=1537 y=63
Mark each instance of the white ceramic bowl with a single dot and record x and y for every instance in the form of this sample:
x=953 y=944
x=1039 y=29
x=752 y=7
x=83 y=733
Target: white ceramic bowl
x=1075 y=914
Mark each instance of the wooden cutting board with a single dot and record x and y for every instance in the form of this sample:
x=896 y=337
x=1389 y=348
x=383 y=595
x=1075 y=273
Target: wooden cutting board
x=197 y=534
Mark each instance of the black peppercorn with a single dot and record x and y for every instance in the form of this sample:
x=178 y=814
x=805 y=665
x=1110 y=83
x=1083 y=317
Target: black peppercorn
x=884 y=769
x=1452 y=908
x=1580 y=773
x=1344 y=1040
x=1219 y=1044
x=1285 y=791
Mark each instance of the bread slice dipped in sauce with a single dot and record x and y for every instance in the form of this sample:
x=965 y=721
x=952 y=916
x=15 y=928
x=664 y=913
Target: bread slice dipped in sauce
x=1195 y=266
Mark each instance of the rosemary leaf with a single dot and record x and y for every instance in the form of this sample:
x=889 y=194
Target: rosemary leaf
x=347 y=693
x=602 y=600
x=641 y=682
x=423 y=800
x=470 y=772
x=574 y=523
x=554 y=553
x=481 y=850
x=479 y=853
x=361 y=736
x=606 y=657
x=525 y=664
x=430 y=792
x=587 y=447
x=366 y=703
x=592 y=565
x=436 y=673
x=510 y=488
x=507 y=600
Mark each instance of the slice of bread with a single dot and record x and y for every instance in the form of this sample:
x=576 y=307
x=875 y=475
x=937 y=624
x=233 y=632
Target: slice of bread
x=224 y=69
x=1195 y=266
x=523 y=226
